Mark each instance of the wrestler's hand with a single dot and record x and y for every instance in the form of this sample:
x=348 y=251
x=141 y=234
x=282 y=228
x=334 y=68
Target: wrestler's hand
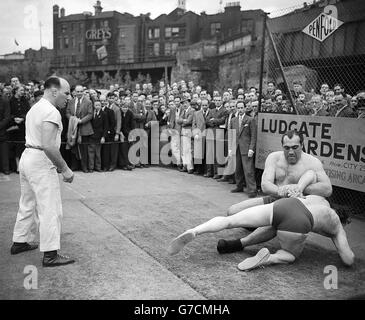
x=283 y=191
x=293 y=191
x=68 y=175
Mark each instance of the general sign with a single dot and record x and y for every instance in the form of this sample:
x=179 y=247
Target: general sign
x=338 y=142
x=322 y=27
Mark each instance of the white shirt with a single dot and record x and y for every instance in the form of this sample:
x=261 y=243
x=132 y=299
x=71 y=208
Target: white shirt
x=41 y=112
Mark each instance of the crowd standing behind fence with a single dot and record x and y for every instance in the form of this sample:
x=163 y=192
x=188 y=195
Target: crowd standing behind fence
x=105 y=119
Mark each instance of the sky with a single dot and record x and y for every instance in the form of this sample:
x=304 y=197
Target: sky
x=21 y=19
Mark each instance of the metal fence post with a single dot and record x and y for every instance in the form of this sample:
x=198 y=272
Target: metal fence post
x=281 y=68
x=262 y=60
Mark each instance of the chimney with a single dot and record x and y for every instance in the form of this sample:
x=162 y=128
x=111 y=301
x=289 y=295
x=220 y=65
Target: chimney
x=232 y=7
x=181 y=4
x=62 y=12
x=56 y=11
x=98 y=8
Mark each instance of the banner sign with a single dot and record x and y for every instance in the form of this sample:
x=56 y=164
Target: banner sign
x=338 y=142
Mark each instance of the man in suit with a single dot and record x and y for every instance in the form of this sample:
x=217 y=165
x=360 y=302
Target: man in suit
x=217 y=117
x=5 y=119
x=198 y=127
x=110 y=151
x=343 y=109
x=139 y=118
x=127 y=125
x=228 y=175
x=100 y=128
x=151 y=120
x=186 y=121
x=82 y=108
x=176 y=111
x=246 y=133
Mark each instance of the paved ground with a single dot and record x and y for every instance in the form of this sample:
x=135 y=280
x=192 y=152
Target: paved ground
x=119 y=224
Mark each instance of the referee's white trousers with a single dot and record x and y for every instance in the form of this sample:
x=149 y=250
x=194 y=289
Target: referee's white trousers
x=40 y=193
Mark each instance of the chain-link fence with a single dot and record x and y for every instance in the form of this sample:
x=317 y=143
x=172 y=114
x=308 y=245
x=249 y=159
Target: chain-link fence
x=314 y=65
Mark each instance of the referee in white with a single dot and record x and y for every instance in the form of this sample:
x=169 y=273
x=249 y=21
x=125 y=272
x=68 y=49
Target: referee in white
x=40 y=188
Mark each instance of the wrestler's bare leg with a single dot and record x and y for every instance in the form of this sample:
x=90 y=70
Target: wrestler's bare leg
x=238 y=207
x=327 y=223
x=249 y=218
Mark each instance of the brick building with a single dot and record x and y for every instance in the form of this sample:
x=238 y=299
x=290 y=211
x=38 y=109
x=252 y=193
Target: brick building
x=111 y=41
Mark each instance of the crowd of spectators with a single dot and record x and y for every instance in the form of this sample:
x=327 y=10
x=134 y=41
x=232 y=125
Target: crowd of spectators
x=333 y=102
x=97 y=124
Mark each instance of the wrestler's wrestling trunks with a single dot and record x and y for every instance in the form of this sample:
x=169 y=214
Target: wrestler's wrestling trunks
x=293 y=221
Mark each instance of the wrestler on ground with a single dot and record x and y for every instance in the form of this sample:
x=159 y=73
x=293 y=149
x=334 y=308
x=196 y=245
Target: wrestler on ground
x=283 y=170
x=292 y=219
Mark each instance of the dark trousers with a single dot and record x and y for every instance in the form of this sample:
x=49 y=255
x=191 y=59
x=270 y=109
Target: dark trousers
x=123 y=154
x=94 y=155
x=66 y=155
x=85 y=140
x=4 y=155
x=109 y=153
x=245 y=171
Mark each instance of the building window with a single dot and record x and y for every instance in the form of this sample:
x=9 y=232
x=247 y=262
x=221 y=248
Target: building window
x=81 y=26
x=80 y=47
x=168 y=32
x=66 y=42
x=174 y=32
x=72 y=27
x=156 y=49
x=73 y=59
x=73 y=42
x=153 y=33
x=63 y=28
x=247 y=25
x=215 y=28
x=60 y=43
x=170 y=48
x=167 y=49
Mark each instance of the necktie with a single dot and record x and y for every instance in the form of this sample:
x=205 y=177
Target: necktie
x=77 y=107
x=240 y=122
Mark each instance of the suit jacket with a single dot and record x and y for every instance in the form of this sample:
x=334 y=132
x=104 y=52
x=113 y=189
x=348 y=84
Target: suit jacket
x=199 y=121
x=246 y=135
x=217 y=117
x=4 y=117
x=110 y=118
x=345 y=112
x=100 y=126
x=188 y=116
x=127 y=123
x=18 y=109
x=85 y=113
x=140 y=116
x=174 y=116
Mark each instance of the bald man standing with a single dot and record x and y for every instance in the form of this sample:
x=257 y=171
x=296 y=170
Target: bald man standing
x=40 y=188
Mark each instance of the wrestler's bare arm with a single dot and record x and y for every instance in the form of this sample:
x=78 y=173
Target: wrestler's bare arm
x=268 y=177
x=323 y=186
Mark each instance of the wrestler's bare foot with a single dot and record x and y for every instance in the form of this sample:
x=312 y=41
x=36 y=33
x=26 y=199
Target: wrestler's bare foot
x=256 y=261
x=178 y=243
